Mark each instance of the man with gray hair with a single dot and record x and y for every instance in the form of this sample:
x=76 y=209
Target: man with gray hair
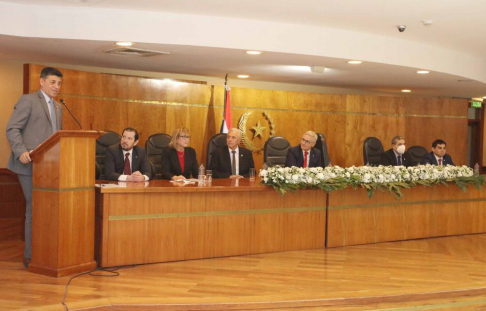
x=231 y=161
x=305 y=155
x=396 y=156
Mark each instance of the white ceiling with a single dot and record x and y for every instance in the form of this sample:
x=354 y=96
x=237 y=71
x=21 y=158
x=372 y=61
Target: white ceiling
x=208 y=38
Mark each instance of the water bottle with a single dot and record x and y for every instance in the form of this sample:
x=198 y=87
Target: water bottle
x=201 y=174
x=476 y=169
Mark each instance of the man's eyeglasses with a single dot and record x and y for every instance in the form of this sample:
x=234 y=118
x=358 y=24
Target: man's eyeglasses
x=185 y=137
x=306 y=141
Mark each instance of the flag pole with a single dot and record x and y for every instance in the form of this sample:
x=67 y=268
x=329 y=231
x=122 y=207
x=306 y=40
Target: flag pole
x=225 y=94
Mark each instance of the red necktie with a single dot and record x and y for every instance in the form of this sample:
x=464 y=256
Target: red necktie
x=126 y=166
x=440 y=161
x=305 y=159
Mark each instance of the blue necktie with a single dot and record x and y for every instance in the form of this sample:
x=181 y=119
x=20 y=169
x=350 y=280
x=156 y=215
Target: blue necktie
x=399 y=160
x=53 y=116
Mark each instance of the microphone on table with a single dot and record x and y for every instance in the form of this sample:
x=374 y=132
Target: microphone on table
x=62 y=101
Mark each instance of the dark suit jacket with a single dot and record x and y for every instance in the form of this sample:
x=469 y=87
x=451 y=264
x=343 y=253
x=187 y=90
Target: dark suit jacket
x=114 y=162
x=171 y=165
x=221 y=162
x=28 y=127
x=389 y=158
x=296 y=158
x=430 y=159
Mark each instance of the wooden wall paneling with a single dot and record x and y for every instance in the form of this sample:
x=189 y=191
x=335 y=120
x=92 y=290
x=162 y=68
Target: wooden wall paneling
x=76 y=82
x=146 y=89
x=189 y=93
x=34 y=77
x=423 y=131
x=146 y=107
x=257 y=99
x=116 y=86
x=112 y=102
x=12 y=201
x=359 y=127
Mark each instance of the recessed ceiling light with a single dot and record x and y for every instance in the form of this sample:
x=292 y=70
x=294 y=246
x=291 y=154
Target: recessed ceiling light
x=253 y=52
x=318 y=69
x=423 y=72
x=125 y=43
x=406 y=91
x=484 y=97
x=354 y=62
x=243 y=76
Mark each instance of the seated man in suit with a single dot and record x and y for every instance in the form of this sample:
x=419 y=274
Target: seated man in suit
x=438 y=154
x=305 y=155
x=231 y=161
x=126 y=161
x=397 y=156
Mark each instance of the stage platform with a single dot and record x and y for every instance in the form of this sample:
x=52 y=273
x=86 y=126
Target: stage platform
x=429 y=274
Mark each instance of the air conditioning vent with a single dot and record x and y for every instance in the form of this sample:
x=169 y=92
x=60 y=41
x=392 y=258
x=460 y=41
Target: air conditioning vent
x=135 y=52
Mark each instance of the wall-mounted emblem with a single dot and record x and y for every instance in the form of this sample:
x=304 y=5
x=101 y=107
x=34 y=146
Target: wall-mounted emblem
x=256 y=128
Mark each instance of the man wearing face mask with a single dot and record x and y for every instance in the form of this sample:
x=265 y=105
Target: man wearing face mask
x=397 y=156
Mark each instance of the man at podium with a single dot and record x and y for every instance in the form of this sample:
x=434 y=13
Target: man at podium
x=35 y=117
x=126 y=161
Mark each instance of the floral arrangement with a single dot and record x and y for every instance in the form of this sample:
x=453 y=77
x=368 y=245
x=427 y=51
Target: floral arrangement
x=391 y=178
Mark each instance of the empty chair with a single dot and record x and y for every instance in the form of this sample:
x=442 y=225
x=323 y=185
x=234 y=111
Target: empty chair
x=104 y=141
x=372 y=151
x=275 y=151
x=218 y=140
x=322 y=146
x=416 y=153
x=153 y=147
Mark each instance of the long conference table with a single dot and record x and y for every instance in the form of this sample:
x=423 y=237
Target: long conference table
x=160 y=221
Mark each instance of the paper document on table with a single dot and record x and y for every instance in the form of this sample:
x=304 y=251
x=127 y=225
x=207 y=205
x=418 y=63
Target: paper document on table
x=184 y=181
x=108 y=185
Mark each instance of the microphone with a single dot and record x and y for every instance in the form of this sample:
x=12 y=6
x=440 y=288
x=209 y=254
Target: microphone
x=62 y=101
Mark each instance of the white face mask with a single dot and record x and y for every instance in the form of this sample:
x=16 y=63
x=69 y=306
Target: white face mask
x=401 y=149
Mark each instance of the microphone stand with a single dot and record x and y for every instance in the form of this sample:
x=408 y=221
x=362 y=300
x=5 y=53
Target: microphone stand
x=62 y=101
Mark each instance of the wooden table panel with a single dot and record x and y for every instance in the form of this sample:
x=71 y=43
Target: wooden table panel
x=158 y=222
x=422 y=212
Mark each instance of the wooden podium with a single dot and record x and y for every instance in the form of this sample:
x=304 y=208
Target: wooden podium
x=63 y=204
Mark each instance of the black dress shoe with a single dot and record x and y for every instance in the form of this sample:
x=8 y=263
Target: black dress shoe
x=26 y=262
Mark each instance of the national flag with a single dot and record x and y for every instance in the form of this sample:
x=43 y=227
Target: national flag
x=226 y=124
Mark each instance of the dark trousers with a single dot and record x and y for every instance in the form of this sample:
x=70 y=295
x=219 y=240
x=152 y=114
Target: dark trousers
x=26 y=183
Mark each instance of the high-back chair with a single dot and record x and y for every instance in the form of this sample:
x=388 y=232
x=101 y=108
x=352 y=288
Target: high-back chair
x=417 y=154
x=218 y=140
x=103 y=142
x=372 y=151
x=153 y=147
x=322 y=146
x=275 y=151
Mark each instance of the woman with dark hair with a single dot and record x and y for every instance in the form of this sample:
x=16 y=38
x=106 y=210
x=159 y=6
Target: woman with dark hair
x=178 y=159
